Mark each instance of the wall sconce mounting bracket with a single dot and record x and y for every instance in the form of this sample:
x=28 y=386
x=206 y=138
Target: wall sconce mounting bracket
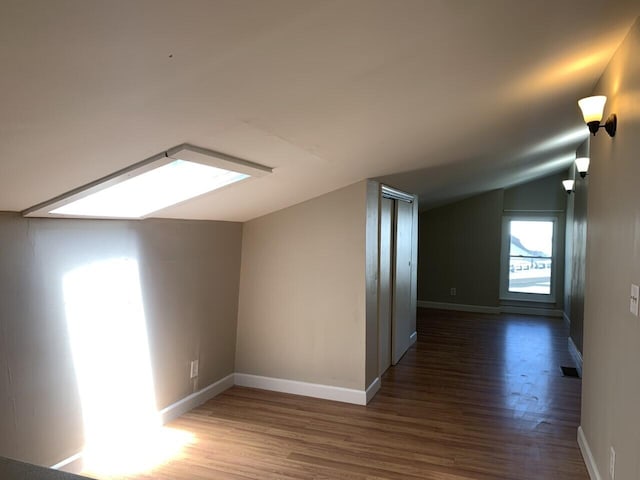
x=610 y=125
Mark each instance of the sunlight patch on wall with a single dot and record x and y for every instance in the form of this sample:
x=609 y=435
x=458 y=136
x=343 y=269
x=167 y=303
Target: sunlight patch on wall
x=107 y=330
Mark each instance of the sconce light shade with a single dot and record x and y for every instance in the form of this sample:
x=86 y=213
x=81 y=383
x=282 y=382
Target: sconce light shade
x=592 y=110
x=568 y=185
x=582 y=164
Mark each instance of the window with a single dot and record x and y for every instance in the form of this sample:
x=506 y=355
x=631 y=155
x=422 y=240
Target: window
x=528 y=258
x=166 y=179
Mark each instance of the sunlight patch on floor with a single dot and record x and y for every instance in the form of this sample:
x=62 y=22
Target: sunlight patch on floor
x=136 y=453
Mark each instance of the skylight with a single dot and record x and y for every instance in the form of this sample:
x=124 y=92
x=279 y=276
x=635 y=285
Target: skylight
x=151 y=191
x=172 y=177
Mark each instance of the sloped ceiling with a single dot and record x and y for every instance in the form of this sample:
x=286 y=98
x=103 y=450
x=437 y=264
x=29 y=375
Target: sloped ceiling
x=443 y=98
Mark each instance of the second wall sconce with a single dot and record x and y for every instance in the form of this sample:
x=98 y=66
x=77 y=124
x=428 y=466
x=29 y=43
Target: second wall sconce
x=568 y=185
x=592 y=110
x=582 y=164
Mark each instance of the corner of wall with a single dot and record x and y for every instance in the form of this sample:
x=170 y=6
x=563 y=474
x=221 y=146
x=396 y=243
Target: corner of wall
x=371 y=279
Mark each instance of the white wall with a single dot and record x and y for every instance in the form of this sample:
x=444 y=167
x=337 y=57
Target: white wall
x=302 y=309
x=611 y=382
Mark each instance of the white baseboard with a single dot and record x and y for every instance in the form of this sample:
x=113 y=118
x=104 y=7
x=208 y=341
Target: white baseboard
x=372 y=389
x=196 y=399
x=567 y=320
x=413 y=338
x=72 y=464
x=549 y=312
x=577 y=356
x=326 y=392
x=75 y=463
x=589 y=461
x=458 y=307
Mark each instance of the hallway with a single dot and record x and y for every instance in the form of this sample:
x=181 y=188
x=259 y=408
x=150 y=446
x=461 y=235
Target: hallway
x=490 y=392
x=478 y=397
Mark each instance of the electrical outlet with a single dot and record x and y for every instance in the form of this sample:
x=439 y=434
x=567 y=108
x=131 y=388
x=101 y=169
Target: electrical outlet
x=612 y=463
x=633 y=299
x=453 y=292
x=194 y=368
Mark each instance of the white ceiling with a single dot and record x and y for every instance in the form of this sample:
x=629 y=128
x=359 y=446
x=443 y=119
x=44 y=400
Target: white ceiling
x=443 y=98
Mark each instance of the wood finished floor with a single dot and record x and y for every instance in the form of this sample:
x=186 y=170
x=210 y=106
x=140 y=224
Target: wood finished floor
x=477 y=397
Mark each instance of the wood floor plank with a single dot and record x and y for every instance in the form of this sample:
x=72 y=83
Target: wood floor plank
x=477 y=397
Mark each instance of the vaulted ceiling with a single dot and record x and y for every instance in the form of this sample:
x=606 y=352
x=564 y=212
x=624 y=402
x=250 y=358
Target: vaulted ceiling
x=443 y=98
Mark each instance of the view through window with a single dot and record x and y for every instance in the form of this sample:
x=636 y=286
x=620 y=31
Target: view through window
x=530 y=256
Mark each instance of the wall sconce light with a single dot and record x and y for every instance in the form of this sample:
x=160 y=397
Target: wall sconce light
x=592 y=109
x=568 y=185
x=582 y=164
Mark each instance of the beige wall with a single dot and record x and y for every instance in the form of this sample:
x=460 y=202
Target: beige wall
x=189 y=275
x=302 y=312
x=611 y=383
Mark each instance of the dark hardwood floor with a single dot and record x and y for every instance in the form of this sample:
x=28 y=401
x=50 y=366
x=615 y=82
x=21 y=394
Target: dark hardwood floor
x=477 y=397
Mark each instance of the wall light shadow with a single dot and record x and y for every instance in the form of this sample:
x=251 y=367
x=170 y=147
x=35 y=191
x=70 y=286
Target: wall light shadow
x=107 y=331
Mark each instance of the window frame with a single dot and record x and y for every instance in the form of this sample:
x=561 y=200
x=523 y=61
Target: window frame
x=505 y=250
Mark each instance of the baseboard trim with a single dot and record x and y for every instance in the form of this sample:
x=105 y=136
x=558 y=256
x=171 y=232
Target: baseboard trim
x=372 y=389
x=413 y=338
x=577 y=356
x=548 y=312
x=72 y=464
x=587 y=456
x=316 y=390
x=196 y=399
x=458 y=307
x=75 y=463
x=567 y=320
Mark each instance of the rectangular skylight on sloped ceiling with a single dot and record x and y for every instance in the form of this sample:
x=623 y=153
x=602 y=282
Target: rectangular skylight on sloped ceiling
x=151 y=191
x=169 y=178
